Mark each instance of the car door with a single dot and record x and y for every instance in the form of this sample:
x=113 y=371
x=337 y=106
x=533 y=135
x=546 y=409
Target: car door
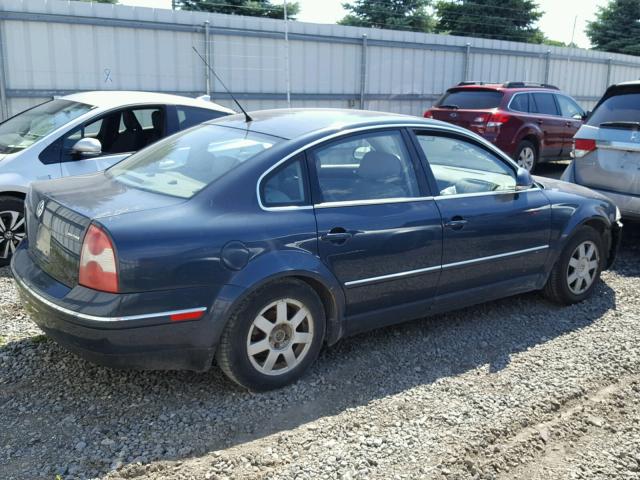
x=573 y=116
x=120 y=133
x=379 y=230
x=550 y=122
x=495 y=238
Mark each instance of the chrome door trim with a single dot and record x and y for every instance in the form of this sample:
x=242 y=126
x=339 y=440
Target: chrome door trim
x=484 y=194
x=377 y=201
x=424 y=126
x=95 y=318
x=391 y=276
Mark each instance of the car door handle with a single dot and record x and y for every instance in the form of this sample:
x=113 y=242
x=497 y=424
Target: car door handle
x=336 y=235
x=456 y=223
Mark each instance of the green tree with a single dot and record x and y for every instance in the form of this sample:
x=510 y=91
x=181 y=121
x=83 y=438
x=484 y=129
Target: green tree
x=617 y=27
x=390 y=14
x=500 y=19
x=251 y=8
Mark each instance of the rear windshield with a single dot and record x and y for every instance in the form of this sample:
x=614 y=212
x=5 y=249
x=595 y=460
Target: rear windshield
x=620 y=108
x=185 y=163
x=471 y=99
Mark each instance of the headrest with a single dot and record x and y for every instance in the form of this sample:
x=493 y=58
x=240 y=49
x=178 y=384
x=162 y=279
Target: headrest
x=156 y=119
x=379 y=166
x=130 y=120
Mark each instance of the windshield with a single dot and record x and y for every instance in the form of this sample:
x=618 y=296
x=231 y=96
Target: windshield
x=471 y=99
x=620 y=108
x=28 y=127
x=185 y=163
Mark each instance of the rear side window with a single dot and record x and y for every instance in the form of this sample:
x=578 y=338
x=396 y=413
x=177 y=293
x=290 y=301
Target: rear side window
x=544 y=103
x=471 y=99
x=190 y=116
x=285 y=186
x=520 y=103
x=620 y=108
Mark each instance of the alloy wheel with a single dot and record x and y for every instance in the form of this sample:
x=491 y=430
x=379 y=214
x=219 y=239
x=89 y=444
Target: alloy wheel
x=527 y=158
x=280 y=337
x=12 y=232
x=583 y=267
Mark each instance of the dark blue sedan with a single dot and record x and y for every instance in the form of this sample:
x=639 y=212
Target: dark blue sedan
x=256 y=243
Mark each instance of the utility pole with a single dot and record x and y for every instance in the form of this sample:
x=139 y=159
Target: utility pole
x=173 y=4
x=286 y=54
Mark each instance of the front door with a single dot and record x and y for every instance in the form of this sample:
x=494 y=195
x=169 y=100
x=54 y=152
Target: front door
x=573 y=115
x=378 y=232
x=493 y=235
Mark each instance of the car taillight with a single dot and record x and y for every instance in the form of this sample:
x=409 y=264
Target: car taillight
x=582 y=146
x=98 y=262
x=428 y=114
x=496 y=120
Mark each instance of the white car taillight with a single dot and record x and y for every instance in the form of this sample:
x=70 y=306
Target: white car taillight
x=98 y=262
x=583 y=146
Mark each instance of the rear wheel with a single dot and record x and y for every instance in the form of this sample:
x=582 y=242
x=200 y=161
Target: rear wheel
x=577 y=271
x=273 y=337
x=12 y=227
x=527 y=155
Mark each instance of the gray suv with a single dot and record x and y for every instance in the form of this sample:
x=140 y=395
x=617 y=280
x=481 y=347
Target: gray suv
x=607 y=149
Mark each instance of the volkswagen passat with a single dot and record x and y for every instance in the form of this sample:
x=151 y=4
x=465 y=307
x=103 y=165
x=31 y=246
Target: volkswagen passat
x=82 y=133
x=256 y=243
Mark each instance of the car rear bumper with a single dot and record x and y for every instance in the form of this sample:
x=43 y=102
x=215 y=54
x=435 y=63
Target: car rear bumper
x=143 y=341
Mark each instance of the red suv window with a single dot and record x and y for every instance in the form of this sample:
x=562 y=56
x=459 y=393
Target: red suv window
x=471 y=99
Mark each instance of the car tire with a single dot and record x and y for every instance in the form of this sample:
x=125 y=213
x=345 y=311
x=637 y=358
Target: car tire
x=577 y=270
x=527 y=155
x=12 y=227
x=258 y=348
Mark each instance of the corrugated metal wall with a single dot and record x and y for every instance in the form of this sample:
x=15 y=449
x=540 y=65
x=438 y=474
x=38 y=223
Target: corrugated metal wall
x=51 y=47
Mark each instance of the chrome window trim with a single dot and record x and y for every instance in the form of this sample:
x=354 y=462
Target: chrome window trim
x=391 y=276
x=426 y=126
x=376 y=201
x=484 y=194
x=95 y=318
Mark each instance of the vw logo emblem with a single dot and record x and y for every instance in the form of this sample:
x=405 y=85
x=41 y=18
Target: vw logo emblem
x=453 y=115
x=635 y=136
x=40 y=209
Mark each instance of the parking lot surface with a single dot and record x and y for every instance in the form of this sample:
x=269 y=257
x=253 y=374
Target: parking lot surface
x=518 y=388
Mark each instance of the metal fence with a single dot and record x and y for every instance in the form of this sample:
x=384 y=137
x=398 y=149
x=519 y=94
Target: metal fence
x=51 y=47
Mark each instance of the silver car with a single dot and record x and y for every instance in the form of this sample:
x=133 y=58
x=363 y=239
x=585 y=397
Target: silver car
x=607 y=149
x=80 y=134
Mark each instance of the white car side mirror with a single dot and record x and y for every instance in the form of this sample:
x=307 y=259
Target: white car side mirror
x=87 y=147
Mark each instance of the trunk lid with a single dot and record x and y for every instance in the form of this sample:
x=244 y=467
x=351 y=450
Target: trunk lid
x=59 y=212
x=467 y=107
x=614 y=165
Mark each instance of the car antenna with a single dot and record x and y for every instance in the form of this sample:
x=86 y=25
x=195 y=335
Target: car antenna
x=246 y=115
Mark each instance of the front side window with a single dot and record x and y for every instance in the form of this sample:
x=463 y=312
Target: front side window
x=569 y=108
x=190 y=116
x=365 y=167
x=461 y=167
x=187 y=162
x=544 y=103
x=28 y=127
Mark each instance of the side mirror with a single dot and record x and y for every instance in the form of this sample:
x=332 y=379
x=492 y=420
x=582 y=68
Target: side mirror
x=87 y=147
x=524 y=180
x=585 y=115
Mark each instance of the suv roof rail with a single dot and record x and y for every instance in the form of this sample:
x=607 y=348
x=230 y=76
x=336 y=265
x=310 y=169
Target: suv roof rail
x=471 y=82
x=529 y=84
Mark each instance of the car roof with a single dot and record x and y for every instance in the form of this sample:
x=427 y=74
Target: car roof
x=117 y=98
x=296 y=122
x=501 y=87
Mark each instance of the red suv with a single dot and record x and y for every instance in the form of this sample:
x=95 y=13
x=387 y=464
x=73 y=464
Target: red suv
x=531 y=122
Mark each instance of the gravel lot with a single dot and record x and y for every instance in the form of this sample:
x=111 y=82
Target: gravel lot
x=517 y=388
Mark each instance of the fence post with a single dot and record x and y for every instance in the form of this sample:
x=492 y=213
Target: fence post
x=207 y=55
x=4 y=107
x=467 y=62
x=363 y=73
x=547 y=67
x=609 y=65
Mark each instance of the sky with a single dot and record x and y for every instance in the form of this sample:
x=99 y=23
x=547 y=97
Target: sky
x=557 y=22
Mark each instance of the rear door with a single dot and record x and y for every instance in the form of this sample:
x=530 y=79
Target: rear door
x=572 y=113
x=548 y=117
x=379 y=231
x=493 y=236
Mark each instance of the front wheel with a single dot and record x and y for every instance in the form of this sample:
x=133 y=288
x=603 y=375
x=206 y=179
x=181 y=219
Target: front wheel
x=527 y=155
x=577 y=270
x=273 y=336
x=12 y=227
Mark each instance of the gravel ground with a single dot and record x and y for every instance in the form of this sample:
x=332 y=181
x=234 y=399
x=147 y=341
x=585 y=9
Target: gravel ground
x=518 y=388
